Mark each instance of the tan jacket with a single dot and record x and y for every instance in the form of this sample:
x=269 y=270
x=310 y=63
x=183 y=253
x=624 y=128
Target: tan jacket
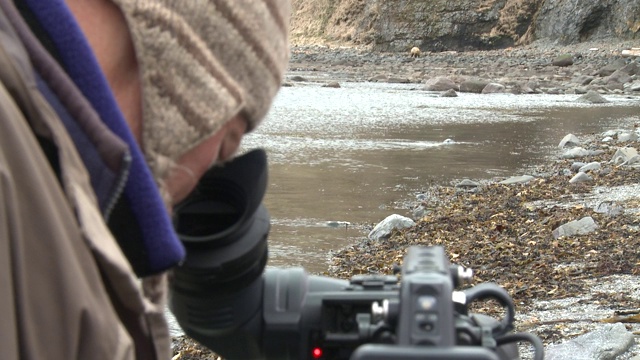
x=66 y=289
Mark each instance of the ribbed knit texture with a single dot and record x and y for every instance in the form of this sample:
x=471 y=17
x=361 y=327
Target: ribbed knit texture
x=202 y=62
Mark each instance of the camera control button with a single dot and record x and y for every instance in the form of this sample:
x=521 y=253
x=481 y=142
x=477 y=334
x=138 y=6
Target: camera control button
x=426 y=322
x=427 y=303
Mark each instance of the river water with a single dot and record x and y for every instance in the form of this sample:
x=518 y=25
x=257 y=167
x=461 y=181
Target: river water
x=357 y=154
x=341 y=160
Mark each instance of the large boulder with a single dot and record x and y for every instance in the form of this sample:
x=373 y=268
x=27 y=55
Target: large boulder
x=473 y=85
x=383 y=230
x=592 y=97
x=440 y=83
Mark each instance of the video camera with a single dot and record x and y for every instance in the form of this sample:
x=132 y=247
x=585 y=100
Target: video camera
x=225 y=297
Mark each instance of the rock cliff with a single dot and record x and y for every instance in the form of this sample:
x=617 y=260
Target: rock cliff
x=438 y=25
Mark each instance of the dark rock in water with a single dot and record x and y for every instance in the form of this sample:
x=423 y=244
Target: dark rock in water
x=563 y=60
x=592 y=97
x=297 y=78
x=379 y=78
x=332 y=84
x=517 y=180
x=449 y=93
x=569 y=140
x=440 y=84
x=493 y=88
x=473 y=85
x=395 y=80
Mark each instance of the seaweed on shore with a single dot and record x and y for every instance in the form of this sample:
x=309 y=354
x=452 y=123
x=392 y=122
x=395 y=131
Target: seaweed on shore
x=506 y=238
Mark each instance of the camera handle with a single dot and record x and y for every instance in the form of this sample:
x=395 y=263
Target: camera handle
x=487 y=291
x=413 y=352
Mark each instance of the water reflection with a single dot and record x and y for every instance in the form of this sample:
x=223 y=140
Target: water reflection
x=351 y=154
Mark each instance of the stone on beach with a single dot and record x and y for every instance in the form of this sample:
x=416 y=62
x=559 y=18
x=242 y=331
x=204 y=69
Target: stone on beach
x=384 y=228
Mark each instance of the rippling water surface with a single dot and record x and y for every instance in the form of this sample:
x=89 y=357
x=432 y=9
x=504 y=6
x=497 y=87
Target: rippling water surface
x=354 y=155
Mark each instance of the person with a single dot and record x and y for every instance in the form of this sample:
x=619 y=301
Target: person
x=110 y=112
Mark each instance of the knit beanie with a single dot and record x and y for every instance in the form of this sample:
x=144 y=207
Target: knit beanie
x=202 y=62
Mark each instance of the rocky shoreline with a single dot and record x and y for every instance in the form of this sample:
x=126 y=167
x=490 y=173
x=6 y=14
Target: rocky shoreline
x=541 y=67
x=564 y=288
x=566 y=283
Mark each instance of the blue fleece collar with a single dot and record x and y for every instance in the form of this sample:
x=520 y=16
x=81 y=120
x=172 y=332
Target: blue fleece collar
x=161 y=245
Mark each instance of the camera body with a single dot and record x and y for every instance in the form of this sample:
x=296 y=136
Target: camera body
x=225 y=297
x=380 y=317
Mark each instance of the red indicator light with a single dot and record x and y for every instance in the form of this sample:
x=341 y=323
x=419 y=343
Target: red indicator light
x=316 y=353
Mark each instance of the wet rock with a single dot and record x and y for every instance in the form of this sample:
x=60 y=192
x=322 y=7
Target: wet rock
x=383 y=230
x=583 y=79
x=619 y=77
x=569 y=140
x=592 y=97
x=332 y=84
x=517 y=180
x=440 y=84
x=605 y=343
x=611 y=132
x=449 y=93
x=575 y=153
x=338 y=224
x=590 y=167
x=576 y=166
x=493 y=88
x=611 y=68
x=632 y=68
x=473 y=85
x=580 y=177
x=419 y=212
x=468 y=185
x=297 y=78
x=575 y=227
x=378 y=78
x=563 y=60
x=580 y=90
x=611 y=208
x=623 y=155
x=627 y=136
x=396 y=80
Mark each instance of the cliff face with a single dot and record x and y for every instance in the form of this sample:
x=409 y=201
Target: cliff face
x=436 y=25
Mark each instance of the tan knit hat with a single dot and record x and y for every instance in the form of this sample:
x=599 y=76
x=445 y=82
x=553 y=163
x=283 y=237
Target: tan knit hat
x=203 y=62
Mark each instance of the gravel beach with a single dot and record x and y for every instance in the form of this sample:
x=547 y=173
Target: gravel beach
x=563 y=286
